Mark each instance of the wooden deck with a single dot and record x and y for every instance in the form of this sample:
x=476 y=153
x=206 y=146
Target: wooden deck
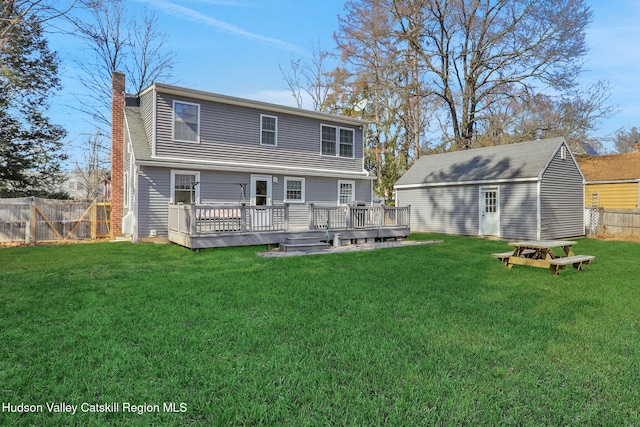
x=211 y=226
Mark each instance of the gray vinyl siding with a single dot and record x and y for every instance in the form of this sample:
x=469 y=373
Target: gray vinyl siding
x=518 y=211
x=449 y=210
x=153 y=201
x=217 y=187
x=561 y=199
x=231 y=133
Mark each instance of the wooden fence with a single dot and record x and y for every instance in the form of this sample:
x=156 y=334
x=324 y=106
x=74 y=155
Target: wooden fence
x=32 y=220
x=615 y=222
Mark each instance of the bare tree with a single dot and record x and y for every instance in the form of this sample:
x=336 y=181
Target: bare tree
x=93 y=168
x=12 y=12
x=150 y=60
x=118 y=43
x=477 y=52
x=310 y=78
x=626 y=140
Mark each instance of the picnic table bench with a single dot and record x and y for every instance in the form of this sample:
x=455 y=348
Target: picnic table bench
x=539 y=253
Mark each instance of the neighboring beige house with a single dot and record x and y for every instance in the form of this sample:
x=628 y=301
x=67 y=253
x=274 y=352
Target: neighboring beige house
x=613 y=181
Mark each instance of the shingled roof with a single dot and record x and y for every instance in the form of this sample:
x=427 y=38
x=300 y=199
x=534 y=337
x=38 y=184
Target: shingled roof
x=513 y=162
x=614 y=167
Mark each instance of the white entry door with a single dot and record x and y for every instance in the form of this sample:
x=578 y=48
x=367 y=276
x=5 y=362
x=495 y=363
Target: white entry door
x=490 y=211
x=260 y=196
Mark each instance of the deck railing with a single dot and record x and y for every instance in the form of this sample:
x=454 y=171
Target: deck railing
x=212 y=219
x=241 y=219
x=357 y=217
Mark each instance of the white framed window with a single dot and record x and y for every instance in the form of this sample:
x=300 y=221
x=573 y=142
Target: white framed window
x=185 y=187
x=293 y=190
x=346 y=192
x=186 y=121
x=328 y=140
x=268 y=130
x=346 y=142
x=337 y=141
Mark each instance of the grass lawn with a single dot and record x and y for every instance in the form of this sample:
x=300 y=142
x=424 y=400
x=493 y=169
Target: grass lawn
x=420 y=335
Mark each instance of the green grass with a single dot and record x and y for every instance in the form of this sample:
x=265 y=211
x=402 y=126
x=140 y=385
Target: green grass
x=421 y=335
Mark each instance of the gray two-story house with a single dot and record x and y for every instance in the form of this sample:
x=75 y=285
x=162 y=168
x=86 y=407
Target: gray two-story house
x=208 y=170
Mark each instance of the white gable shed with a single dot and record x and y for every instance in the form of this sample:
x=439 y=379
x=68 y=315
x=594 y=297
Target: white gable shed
x=529 y=190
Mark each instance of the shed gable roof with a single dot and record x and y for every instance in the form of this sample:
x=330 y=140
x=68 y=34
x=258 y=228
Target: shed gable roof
x=615 y=167
x=521 y=161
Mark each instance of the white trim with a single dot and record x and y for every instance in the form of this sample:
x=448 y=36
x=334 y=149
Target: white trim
x=250 y=167
x=134 y=208
x=172 y=189
x=481 y=206
x=127 y=190
x=275 y=144
x=269 y=180
x=337 y=141
x=481 y=182
x=154 y=130
x=303 y=184
x=173 y=122
x=539 y=210
x=353 y=191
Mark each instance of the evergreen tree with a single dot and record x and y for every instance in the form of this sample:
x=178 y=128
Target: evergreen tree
x=30 y=145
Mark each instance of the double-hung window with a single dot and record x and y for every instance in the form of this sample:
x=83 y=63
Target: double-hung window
x=184 y=187
x=329 y=140
x=293 y=189
x=337 y=141
x=268 y=130
x=186 y=121
x=346 y=192
x=346 y=142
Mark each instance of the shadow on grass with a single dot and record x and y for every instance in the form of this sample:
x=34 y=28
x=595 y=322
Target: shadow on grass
x=416 y=335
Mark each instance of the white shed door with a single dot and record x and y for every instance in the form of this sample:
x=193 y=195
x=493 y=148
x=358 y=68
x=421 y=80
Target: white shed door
x=489 y=211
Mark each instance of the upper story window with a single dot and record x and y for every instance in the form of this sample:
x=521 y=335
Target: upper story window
x=337 y=141
x=346 y=142
x=268 y=130
x=186 y=121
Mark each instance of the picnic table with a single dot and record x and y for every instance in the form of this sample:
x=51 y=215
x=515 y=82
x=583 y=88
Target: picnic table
x=539 y=253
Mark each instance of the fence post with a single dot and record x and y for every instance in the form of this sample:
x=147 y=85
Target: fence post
x=33 y=229
x=94 y=220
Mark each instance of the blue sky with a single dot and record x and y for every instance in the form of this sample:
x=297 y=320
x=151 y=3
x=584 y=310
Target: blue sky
x=236 y=47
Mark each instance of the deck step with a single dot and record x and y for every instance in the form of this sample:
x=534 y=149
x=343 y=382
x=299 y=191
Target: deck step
x=297 y=240
x=303 y=244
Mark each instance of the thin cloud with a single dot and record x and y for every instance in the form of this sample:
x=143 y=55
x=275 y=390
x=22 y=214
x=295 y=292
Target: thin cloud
x=195 y=16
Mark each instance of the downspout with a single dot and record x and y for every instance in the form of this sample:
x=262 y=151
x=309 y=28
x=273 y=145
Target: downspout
x=136 y=171
x=538 y=210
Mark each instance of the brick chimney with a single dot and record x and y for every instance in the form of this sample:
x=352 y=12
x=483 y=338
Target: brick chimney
x=117 y=152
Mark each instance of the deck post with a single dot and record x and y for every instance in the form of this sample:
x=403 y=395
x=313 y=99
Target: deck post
x=286 y=217
x=243 y=218
x=94 y=220
x=311 y=224
x=194 y=220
